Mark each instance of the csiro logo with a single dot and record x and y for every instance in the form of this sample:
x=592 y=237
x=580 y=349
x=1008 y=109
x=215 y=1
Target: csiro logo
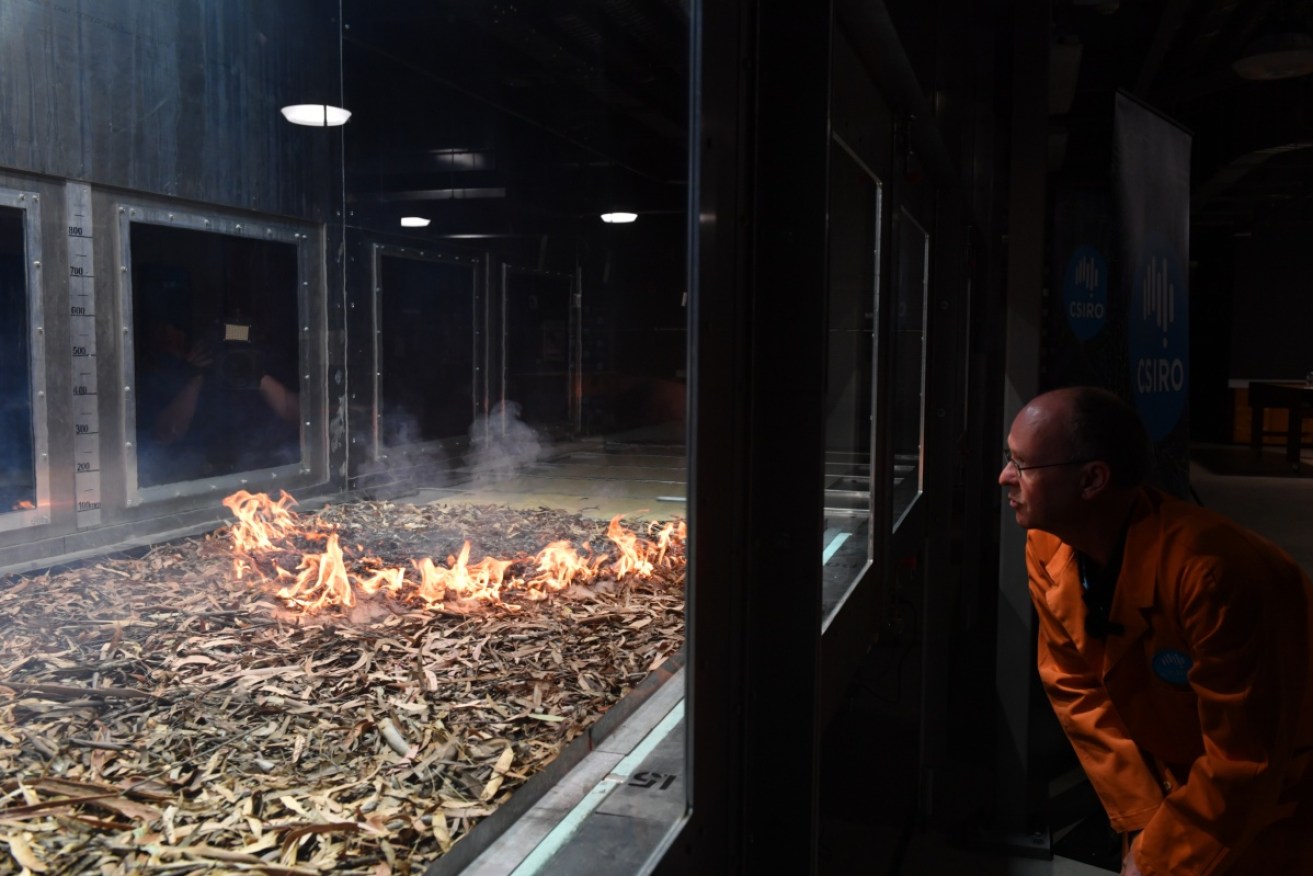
x=1159 y=335
x=1172 y=666
x=1085 y=291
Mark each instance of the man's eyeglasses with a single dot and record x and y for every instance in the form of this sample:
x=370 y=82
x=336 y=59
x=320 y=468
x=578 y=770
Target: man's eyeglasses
x=1008 y=460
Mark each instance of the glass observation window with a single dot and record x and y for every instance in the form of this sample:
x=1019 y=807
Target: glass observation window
x=482 y=270
x=426 y=353
x=907 y=380
x=18 y=423
x=540 y=334
x=522 y=355
x=214 y=353
x=852 y=300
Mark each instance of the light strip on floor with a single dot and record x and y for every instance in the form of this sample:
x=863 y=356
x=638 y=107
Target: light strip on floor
x=574 y=819
x=833 y=547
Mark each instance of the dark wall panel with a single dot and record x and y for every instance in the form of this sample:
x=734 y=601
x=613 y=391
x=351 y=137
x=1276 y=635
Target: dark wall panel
x=1272 y=306
x=176 y=98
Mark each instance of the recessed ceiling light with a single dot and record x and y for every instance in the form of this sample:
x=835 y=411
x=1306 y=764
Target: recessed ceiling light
x=316 y=115
x=619 y=218
x=414 y=221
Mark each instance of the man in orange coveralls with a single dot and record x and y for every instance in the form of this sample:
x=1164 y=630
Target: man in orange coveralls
x=1173 y=644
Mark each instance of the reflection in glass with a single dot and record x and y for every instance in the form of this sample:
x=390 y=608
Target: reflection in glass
x=851 y=301
x=215 y=354
x=17 y=462
x=426 y=349
x=907 y=380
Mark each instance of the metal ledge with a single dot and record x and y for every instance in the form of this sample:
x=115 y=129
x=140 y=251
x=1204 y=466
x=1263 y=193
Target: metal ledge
x=608 y=804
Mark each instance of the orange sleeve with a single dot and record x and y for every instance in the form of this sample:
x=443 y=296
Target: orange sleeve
x=1126 y=786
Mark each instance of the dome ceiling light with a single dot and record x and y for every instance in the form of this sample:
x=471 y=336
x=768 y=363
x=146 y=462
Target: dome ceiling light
x=316 y=115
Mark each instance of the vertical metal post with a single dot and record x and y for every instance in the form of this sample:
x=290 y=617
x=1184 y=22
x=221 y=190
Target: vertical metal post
x=575 y=369
x=503 y=331
x=376 y=352
x=757 y=327
x=483 y=343
x=1015 y=667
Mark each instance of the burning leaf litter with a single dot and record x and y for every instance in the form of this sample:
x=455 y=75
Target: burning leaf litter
x=159 y=713
x=323 y=580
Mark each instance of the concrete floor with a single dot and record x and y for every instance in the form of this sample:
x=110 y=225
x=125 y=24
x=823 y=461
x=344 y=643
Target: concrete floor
x=597 y=478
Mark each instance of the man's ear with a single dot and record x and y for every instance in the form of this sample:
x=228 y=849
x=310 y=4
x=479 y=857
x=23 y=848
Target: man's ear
x=1095 y=477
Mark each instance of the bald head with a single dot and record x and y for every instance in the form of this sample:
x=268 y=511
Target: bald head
x=1088 y=422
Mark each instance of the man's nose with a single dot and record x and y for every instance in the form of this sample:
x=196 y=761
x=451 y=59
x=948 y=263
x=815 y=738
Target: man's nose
x=1007 y=476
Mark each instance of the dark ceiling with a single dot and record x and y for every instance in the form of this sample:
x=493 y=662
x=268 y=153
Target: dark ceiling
x=517 y=119
x=520 y=118
x=1251 y=158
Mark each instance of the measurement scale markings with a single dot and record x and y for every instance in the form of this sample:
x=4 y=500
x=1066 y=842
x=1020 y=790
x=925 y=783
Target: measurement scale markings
x=82 y=311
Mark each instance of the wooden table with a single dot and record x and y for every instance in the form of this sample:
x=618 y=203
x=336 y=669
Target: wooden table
x=1295 y=397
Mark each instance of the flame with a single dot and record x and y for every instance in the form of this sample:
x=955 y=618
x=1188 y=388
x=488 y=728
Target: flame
x=259 y=520
x=560 y=566
x=482 y=581
x=633 y=551
x=22 y=505
x=323 y=580
x=388 y=580
x=671 y=534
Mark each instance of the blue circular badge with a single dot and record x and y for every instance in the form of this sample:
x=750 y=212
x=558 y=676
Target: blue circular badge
x=1172 y=666
x=1085 y=291
x=1158 y=329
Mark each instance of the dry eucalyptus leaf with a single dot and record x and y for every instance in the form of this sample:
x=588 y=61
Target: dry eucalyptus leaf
x=159 y=709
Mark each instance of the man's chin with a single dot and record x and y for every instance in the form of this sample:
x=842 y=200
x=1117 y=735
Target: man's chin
x=1020 y=513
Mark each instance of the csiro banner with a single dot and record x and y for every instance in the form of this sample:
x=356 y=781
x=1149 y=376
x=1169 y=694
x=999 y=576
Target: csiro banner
x=1085 y=291
x=1151 y=172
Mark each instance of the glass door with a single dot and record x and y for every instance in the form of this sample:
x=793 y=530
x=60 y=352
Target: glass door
x=852 y=302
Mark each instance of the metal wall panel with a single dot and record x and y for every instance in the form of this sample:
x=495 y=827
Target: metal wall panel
x=174 y=107
x=179 y=98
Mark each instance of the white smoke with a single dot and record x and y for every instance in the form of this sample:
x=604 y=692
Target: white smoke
x=501 y=445
x=404 y=459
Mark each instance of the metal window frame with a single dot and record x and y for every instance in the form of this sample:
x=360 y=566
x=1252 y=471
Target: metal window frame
x=909 y=516
x=478 y=265
x=29 y=203
x=311 y=352
x=878 y=487
x=574 y=367
x=758 y=188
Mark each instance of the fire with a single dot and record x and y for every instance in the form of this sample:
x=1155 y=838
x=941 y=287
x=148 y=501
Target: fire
x=326 y=579
x=481 y=581
x=260 y=522
x=559 y=565
x=323 y=580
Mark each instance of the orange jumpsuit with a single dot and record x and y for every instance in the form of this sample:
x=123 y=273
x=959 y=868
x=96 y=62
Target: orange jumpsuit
x=1195 y=723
